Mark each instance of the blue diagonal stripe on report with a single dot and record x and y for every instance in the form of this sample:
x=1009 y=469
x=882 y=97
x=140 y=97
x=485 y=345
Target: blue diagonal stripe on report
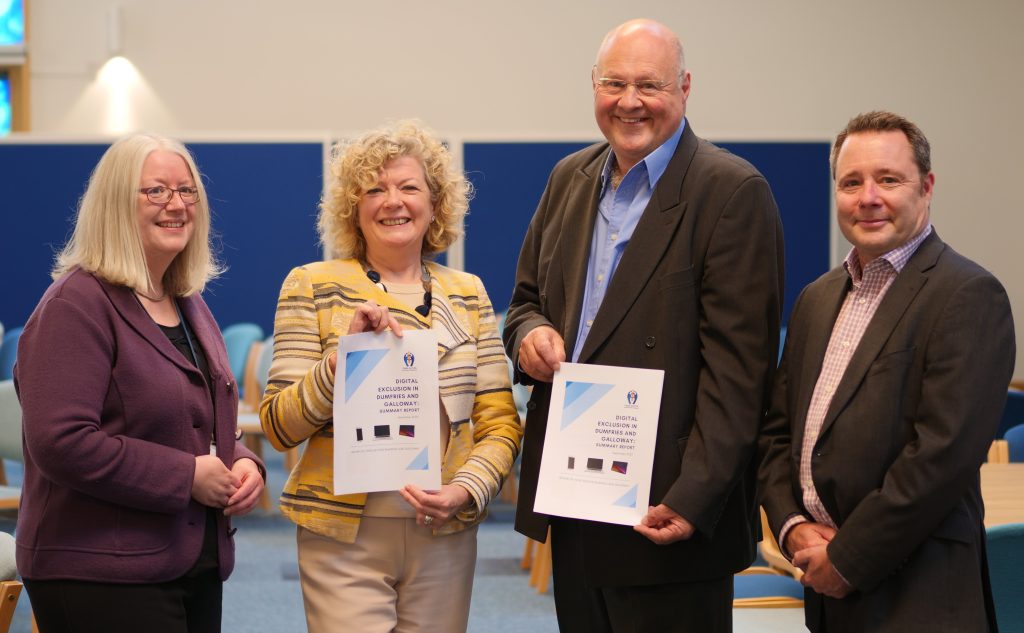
x=358 y=366
x=420 y=462
x=627 y=500
x=580 y=396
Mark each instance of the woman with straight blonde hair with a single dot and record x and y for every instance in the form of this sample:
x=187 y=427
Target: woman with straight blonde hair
x=132 y=466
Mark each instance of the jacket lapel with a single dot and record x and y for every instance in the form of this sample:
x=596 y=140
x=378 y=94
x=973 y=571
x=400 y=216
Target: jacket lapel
x=573 y=251
x=646 y=248
x=894 y=305
x=132 y=312
x=445 y=321
x=819 y=331
x=207 y=334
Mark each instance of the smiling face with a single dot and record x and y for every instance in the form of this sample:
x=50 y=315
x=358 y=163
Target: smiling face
x=636 y=125
x=395 y=213
x=165 y=229
x=882 y=199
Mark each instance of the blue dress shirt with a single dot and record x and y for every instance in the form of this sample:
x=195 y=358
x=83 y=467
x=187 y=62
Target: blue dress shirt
x=618 y=213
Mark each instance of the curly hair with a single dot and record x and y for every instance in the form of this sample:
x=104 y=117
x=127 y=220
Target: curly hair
x=355 y=168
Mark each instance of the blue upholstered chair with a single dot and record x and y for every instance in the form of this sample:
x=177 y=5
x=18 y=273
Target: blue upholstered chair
x=763 y=590
x=266 y=357
x=238 y=338
x=10 y=448
x=10 y=441
x=1013 y=412
x=1006 y=569
x=1015 y=441
x=9 y=353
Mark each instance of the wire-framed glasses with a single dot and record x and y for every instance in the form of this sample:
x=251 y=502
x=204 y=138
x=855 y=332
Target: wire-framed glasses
x=613 y=87
x=163 y=195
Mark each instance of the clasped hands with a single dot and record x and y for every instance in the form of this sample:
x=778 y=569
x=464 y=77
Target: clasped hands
x=236 y=490
x=436 y=507
x=808 y=543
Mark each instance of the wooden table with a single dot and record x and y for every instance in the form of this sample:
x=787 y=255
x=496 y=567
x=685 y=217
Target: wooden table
x=1002 y=488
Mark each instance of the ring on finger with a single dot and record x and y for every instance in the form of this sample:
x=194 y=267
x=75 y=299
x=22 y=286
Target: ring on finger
x=427 y=520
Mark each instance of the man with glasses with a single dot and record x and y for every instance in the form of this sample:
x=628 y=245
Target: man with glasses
x=656 y=250
x=889 y=393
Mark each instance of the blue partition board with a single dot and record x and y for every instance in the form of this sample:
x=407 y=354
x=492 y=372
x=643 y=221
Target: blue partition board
x=264 y=200
x=40 y=186
x=801 y=182
x=510 y=177
x=263 y=197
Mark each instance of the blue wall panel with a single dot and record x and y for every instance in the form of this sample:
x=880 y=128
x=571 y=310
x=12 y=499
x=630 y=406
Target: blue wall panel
x=263 y=197
x=799 y=177
x=510 y=178
x=39 y=188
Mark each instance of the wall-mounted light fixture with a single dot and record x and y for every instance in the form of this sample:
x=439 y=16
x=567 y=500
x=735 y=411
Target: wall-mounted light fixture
x=114 y=31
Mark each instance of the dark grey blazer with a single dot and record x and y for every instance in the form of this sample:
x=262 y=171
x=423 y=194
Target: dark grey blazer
x=896 y=463
x=696 y=294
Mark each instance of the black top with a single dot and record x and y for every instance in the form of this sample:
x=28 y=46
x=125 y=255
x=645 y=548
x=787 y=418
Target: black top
x=176 y=335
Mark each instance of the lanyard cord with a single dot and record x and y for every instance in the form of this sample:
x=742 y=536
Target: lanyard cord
x=188 y=336
x=195 y=357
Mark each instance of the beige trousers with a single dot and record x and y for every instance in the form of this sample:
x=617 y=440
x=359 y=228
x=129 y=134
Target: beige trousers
x=396 y=577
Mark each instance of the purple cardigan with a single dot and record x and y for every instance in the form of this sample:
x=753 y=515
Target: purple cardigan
x=109 y=408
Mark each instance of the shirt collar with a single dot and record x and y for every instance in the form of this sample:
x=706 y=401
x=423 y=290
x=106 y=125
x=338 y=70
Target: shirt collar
x=897 y=258
x=655 y=163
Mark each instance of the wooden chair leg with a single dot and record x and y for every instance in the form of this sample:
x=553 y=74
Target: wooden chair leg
x=527 y=553
x=9 y=592
x=540 y=573
x=291 y=457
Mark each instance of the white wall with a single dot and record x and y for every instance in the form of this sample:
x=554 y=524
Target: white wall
x=790 y=69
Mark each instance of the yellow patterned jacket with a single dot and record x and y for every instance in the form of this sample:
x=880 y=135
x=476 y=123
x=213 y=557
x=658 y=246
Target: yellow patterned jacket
x=317 y=302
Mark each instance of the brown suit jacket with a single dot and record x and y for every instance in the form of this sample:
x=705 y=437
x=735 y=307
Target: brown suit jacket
x=696 y=294
x=896 y=463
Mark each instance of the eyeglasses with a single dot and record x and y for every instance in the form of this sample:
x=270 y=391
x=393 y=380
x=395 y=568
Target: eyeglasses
x=645 y=87
x=163 y=195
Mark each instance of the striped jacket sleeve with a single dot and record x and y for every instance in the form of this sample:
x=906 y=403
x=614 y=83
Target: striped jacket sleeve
x=300 y=388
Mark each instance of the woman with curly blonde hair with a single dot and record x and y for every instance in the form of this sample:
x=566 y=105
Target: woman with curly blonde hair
x=399 y=560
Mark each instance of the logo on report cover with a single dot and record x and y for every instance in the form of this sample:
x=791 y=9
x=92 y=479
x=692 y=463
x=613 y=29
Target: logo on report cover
x=632 y=396
x=409 y=359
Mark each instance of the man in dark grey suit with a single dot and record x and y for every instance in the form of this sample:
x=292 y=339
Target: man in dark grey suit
x=653 y=250
x=890 y=390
